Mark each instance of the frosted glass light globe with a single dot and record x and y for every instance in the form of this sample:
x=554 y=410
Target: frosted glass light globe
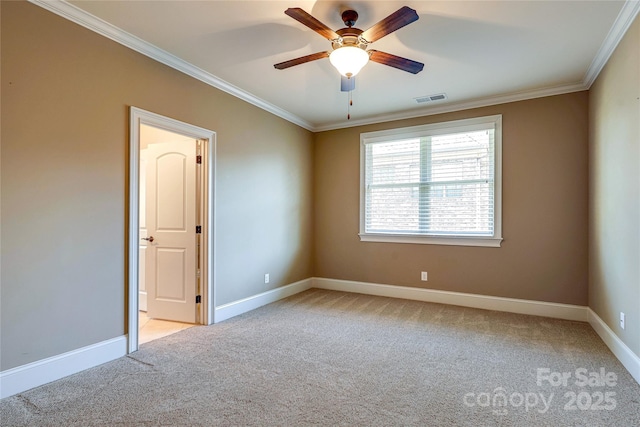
x=349 y=60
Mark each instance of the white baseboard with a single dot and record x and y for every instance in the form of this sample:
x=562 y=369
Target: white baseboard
x=227 y=311
x=511 y=305
x=625 y=355
x=25 y=377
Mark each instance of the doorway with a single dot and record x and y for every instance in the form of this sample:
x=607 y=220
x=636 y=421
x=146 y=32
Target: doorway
x=171 y=224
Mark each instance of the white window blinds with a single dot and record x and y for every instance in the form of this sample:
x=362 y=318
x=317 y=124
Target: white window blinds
x=431 y=182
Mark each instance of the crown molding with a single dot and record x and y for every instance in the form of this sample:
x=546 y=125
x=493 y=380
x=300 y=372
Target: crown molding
x=619 y=28
x=97 y=25
x=68 y=11
x=458 y=106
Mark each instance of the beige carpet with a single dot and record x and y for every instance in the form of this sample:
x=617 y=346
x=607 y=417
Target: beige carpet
x=333 y=358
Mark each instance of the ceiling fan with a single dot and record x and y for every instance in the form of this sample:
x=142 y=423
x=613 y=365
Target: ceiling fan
x=350 y=44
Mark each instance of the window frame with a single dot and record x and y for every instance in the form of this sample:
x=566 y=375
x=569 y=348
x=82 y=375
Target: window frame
x=454 y=126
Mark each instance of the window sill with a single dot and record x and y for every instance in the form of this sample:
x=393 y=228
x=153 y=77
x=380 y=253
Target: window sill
x=489 y=242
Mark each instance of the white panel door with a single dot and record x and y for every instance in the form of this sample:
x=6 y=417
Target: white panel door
x=142 y=253
x=171 y=222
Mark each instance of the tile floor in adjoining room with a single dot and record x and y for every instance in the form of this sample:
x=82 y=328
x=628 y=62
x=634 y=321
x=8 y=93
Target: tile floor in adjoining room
x=151 y=329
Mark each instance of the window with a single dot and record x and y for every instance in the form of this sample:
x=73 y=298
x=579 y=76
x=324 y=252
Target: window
x=433 y=184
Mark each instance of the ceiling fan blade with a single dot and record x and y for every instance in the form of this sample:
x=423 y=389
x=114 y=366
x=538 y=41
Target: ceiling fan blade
x=301 y=60
x=394 y=61
x=347 y=84
x=398 y=19
x=311 y=22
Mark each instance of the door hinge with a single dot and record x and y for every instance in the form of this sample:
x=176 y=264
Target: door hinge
x=198 y=299
x=199 y=159
x=198 y=229
x=198 y=273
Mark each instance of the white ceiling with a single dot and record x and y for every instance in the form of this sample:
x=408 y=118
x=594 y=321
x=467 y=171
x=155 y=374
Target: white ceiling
x=477 y=52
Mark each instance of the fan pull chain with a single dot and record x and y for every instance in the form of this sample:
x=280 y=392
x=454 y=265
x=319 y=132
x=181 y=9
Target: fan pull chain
x=349 y=105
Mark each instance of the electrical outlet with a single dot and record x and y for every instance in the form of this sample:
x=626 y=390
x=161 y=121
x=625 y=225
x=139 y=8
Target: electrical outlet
x=622 y=320
x=266 y=278
x=423 y=276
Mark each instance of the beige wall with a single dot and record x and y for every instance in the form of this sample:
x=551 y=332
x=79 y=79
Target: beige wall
x=614 y=211
x=66 y=93
x=287 y=200
x=544 y=253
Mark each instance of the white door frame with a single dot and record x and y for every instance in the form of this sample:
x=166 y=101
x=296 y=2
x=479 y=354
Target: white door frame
x=137 y=118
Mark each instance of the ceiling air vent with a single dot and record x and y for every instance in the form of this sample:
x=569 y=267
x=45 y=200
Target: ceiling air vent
x=431 y=98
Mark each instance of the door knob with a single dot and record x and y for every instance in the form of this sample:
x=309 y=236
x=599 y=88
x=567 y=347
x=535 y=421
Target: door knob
x=149 y=239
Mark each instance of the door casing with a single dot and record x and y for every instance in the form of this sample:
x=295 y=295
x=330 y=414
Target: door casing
x=137 y=118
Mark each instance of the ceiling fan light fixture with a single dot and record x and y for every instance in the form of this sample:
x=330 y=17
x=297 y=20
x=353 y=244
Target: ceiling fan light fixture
x=349 y=60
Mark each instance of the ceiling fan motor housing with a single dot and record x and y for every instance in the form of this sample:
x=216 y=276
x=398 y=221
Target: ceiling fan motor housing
x=349 y=37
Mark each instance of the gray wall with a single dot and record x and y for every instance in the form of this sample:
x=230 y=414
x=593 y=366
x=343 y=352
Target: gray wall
x=544 y=253
x=66 y=93
x=614 y=209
